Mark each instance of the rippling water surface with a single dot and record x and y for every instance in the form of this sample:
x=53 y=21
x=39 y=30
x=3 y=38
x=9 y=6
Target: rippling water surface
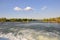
x=29 y=31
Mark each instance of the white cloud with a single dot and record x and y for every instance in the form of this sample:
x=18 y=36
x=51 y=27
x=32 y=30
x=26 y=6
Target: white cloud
x=25 y=9
x=17 y=9
x=28 y=8
x=44 y=8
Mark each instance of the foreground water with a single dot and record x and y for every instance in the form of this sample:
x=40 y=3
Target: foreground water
x=29 y=31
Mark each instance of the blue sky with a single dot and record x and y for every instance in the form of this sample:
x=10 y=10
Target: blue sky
x=36 y=9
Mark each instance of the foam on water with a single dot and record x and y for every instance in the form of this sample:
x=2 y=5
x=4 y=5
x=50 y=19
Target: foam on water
x=29 y=31
x=30 y=34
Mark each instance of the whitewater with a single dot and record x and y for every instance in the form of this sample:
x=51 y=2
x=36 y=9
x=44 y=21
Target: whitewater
x=29 y=31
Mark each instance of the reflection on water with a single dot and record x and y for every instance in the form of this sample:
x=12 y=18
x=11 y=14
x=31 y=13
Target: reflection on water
x=29 y=31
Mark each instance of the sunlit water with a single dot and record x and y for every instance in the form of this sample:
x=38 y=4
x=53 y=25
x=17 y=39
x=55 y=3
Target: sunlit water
x=29 y=31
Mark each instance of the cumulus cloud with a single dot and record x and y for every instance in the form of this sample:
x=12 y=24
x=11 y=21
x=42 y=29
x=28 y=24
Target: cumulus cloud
x=28 y=8
x=23 y=9
x=17 y=9
x=44 y=8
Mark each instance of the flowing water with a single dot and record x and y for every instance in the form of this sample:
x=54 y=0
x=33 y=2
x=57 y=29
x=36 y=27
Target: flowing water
x=29 y=31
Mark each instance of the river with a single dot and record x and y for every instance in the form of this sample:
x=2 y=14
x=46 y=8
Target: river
x=29 y=31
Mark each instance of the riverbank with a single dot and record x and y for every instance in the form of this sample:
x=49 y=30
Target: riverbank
x=45 y=20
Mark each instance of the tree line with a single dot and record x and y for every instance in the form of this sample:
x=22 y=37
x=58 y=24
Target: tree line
x=52 y=20
x=15 y=20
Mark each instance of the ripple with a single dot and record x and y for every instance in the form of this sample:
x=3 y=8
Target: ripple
x=29 y=34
